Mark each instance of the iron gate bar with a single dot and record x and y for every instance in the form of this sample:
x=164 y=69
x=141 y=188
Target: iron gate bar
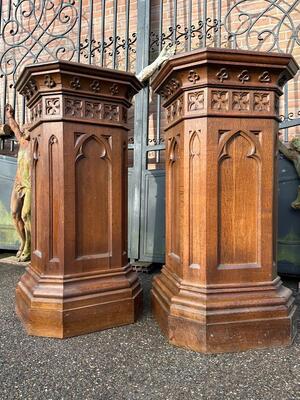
x=115 y=33
x=79 y=31
x=140 y=127
x=90 y=34
x=219 y=43
x=127 y=35
x=102 y=32
x=204 y=21
x=290 y=124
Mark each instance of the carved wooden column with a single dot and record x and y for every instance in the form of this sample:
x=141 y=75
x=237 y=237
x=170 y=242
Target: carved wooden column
x=219 y=290
x=79 y=279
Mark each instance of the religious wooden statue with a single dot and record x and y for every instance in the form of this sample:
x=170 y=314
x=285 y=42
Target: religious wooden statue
x=293 y=154
x=167 y=52
x=21 y=193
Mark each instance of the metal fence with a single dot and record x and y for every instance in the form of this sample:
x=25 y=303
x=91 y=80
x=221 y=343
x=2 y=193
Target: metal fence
x=127 y=35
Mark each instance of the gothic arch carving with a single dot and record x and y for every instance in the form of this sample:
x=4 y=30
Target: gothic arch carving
x=93 y=183
x=54 y=196
x=104 y=146
x=195 y=143
x=228 y=137
x=239 y=203
x=173 y=155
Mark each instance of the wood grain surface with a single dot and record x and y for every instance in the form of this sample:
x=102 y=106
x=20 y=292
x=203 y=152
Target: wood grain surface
x=219 y=289
x=79 y=279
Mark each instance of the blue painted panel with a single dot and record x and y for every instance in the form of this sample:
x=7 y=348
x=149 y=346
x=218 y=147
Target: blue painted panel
x=152 y=246
x=8 y=235
x=288 y=219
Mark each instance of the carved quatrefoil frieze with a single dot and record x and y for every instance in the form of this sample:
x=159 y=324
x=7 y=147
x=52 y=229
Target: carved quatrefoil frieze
x=93 y=110
x=172 y=86
x=175 y=110
x=36 y=112
x=196 y=101
x=220 y=100
x=111 y=112
x=261 y=102
x=52 y=106
x=73 y=108
x=124 y=115
x=241 y=101
x=29 y=90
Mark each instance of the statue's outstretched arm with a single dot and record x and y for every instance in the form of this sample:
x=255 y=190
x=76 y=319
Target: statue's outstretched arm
x=14 y=126
x=290 y=154
x=5 y=130
x=146 y=73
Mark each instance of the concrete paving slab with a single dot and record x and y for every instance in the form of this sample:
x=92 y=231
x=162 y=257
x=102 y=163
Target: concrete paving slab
x=133 y=362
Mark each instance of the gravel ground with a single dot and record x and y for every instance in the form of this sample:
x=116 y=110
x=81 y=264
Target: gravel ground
x=133 y=363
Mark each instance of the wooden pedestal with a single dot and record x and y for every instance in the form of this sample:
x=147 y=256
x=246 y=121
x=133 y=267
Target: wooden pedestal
x=79 y=279
x=219 y=289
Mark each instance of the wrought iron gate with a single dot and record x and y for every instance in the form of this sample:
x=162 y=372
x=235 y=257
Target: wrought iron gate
x=128 y=34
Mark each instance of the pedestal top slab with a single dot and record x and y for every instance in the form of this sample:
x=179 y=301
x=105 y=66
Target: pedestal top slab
x=227 y=68
x=72 y=91
x=84 y=79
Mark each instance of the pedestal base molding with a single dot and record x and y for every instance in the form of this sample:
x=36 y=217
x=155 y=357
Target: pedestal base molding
x=223 y=318
x=70 y=306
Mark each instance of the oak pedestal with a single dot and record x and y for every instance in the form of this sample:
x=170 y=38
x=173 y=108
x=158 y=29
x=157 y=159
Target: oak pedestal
x=79 y=279
x=219 y=290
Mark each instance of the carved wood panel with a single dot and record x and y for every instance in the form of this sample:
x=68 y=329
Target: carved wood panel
x=54 y=197
x=37 y=196
x=174 y=193
x=239 y=199
x=196 y=183
x=93 y=198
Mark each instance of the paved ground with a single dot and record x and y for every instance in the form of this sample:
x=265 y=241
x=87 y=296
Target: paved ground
x=132 y=363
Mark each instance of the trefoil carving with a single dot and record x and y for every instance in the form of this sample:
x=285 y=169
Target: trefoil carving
x=244 y=76
x=49 y=81
x=265 y=77
x=95 y=86
x=193 y=76
x=75 y=83
x=114 y=89
x=222 y=75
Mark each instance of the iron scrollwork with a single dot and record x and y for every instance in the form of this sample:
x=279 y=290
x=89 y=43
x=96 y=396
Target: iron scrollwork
x=202 y=31
x=261 y=28
x=37 y=31
x=47 y=30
